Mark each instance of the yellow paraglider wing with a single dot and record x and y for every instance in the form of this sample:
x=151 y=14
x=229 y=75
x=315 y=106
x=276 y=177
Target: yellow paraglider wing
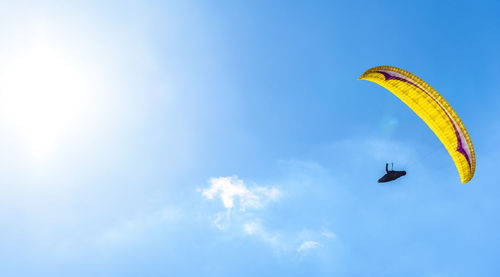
x=429 y=105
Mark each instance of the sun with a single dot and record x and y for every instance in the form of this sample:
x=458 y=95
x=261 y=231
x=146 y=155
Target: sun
x=43 y=93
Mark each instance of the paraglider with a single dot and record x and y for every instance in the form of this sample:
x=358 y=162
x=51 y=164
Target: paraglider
x=391 y=175
x=429 y=105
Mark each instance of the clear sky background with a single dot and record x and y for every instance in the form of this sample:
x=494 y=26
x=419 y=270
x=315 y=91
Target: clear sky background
x=232 y=138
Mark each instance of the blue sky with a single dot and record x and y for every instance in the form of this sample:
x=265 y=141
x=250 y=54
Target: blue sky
x=232 y=138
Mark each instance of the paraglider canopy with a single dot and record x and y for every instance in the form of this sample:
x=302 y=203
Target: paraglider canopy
x=429 y=105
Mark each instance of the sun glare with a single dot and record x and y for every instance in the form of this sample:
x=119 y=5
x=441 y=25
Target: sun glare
x=42 y=92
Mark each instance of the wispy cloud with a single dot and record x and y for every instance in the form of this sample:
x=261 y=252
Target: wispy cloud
x=328 y=234
x=245 y=208
x=231 y=190
x=307 y=245
x=236 y=195
x=255 y=228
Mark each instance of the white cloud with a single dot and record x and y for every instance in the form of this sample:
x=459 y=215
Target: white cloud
x=243 y=208
x=220 y=221
x=255 y=228
x=234 y=194
x=307 y=245
x=252 y=228
x=232 y=191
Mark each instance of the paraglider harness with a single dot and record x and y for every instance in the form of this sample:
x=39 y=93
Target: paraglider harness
x=391 y=175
